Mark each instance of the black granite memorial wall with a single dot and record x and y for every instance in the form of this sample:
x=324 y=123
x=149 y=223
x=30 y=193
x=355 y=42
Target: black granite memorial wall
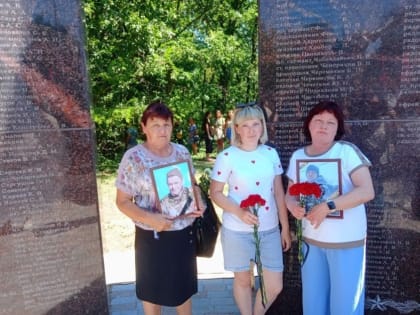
x=365 y=55
x=50 y=245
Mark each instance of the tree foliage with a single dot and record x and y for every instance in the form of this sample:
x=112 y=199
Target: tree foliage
x=196 y=55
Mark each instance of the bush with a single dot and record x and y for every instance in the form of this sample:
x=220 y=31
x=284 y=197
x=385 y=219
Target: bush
x=111 y=126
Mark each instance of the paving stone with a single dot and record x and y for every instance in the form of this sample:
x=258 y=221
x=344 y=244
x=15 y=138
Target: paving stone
x=214 y=297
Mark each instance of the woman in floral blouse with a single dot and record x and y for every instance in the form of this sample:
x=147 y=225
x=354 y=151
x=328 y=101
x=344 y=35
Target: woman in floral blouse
x=166 y=272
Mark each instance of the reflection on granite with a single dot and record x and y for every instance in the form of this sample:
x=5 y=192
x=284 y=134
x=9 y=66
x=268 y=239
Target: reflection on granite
x=49 y=226
x=91 y=300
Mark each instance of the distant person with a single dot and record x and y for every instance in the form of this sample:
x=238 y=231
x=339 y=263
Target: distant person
x=333 y=272
x=131 y=137
x=219 y=131
x=179 y=135
x=193 y=137
x=208 y=135
x=166 y=264
x=228 y=125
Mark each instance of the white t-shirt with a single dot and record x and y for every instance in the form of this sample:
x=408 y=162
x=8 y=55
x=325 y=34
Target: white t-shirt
x=246 y=173
x=348 y=158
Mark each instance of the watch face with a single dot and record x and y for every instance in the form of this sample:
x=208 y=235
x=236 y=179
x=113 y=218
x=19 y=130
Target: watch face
x=331 y=205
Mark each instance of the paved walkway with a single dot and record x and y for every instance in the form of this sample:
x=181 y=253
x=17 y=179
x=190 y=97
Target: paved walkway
x=214 y=296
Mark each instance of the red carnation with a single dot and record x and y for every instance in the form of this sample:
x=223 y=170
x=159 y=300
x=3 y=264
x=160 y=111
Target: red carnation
x=305 y=189
x=251 y=201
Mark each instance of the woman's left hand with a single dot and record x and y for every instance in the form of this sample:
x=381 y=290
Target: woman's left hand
x=286 y=240
x=317 y=214
x=196 y=213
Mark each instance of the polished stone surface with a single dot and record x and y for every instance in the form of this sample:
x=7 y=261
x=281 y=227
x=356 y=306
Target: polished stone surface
x=51 y=254
x=364 y=55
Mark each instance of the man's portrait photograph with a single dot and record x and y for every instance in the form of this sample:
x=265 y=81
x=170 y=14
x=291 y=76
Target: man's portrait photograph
x=173 y=185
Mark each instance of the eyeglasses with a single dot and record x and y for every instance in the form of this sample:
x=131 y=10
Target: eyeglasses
x=243 y=105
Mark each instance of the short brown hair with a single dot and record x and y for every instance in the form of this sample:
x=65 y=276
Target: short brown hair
x=174 y=172
x=157 y=109
x=330 y=107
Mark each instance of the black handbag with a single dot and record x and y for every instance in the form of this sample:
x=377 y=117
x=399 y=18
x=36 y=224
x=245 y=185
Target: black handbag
x=206 y=229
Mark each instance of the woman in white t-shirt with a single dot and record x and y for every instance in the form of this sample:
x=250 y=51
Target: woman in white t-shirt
x=219 y=130
x=249 y=167
x=334 y=230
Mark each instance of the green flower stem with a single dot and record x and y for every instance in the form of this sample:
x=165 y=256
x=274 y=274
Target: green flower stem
x=258 y=262
x=299 y=239
x=299 y=230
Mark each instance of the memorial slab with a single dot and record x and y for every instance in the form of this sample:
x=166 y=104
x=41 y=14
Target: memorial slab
x=50 y=243
x=365 y=55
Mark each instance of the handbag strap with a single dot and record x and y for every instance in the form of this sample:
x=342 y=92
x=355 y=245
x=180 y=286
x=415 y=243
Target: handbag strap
x=186 y=206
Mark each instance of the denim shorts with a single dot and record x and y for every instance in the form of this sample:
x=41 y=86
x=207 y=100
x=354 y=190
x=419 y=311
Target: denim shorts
x=239 y=249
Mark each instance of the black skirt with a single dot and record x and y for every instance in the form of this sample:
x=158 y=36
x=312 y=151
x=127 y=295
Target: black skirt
x=166 y=268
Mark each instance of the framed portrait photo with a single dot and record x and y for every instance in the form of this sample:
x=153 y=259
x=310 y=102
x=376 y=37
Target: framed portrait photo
x=173 y=184
x=327 y=174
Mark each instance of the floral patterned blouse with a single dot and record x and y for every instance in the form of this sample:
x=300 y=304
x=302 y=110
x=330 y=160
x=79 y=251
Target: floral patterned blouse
x=134 y=177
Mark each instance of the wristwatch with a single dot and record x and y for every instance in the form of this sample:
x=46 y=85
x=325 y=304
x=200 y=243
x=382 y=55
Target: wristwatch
x=331 y=206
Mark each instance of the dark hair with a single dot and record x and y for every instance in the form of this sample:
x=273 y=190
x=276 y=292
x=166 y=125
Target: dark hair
x=157 y=109
x=206 y=117
x=325 y=106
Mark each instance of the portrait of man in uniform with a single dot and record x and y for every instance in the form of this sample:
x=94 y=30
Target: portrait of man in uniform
x=173 y=185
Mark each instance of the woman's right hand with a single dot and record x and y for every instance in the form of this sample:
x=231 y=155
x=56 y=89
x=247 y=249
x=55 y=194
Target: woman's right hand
x=248 y=218
x=160 y=222
x=296 y=210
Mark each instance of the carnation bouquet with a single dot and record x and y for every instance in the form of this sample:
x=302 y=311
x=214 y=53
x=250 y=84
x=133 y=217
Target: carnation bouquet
x=309 y=194
x=253 y=203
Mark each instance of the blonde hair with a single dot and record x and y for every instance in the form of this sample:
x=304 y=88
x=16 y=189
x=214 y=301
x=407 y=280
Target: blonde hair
x=242 y=114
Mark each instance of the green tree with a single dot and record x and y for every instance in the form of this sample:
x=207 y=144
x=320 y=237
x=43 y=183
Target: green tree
x=196 y=55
